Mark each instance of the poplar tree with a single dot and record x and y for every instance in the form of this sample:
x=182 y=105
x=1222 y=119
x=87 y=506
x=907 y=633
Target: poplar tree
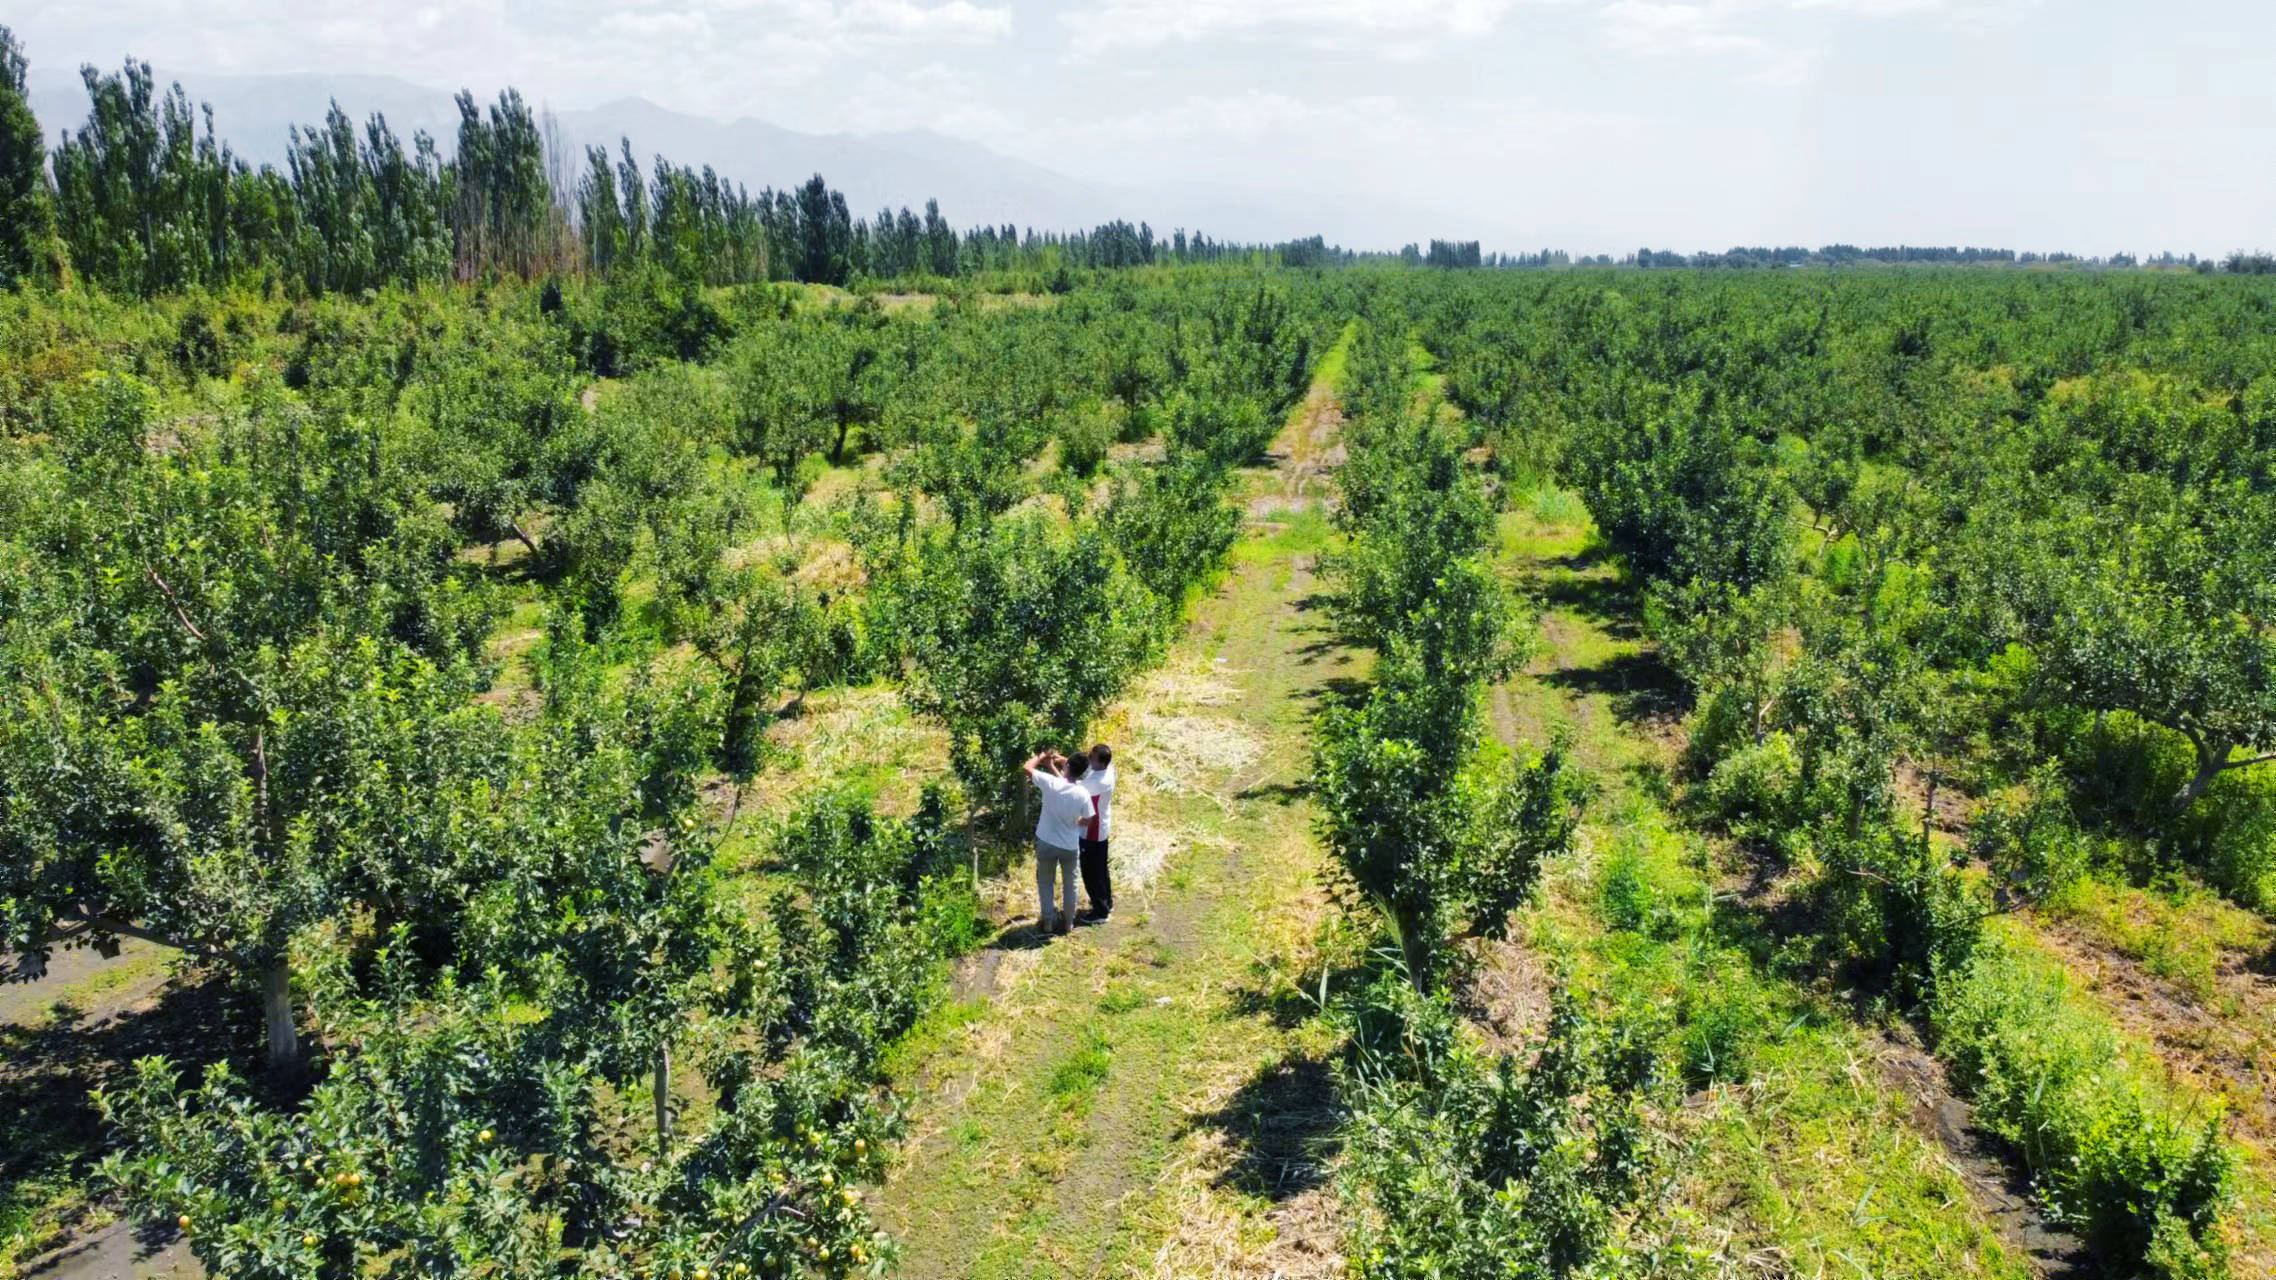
x=27 y=208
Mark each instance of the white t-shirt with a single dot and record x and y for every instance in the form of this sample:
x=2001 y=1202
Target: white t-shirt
x=1100 y=783
x=1066 y=808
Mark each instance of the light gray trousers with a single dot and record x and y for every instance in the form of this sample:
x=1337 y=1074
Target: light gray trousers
x=1051 y=860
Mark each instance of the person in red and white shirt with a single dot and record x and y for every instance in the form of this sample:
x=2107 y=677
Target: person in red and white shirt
x=1098 y=880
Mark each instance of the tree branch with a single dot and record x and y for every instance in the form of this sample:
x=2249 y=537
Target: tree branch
x=180 y=614
x=779 y=1202
x=95 y=922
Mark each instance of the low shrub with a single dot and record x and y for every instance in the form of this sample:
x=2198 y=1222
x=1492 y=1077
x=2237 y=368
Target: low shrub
x=1751 y=788
x=1459 y=1163
x=1893 y=913
x=2112 y=1153
x=1724 y=1014
x=2032 y=839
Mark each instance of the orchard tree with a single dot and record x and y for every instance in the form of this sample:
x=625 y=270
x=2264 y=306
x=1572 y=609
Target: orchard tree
x=1017 y=634
x=454 y=1134
x=2133 y=546
x=1436 y=839
x=1679 y=493
x=237 y=666
x=2166 y=609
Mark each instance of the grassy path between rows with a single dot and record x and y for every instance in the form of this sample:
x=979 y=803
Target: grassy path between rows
x=1133 y=1099
x=1833 y=1155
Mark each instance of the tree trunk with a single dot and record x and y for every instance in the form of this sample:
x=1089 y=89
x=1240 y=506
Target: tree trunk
x=1414 y=948
x=2212 y=757
x=1928 y=814
x=276 y=1008
x=663 y=1103
x=972 y=844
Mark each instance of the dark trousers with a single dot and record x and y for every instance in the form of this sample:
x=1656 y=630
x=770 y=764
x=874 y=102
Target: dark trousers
x=1097 y=883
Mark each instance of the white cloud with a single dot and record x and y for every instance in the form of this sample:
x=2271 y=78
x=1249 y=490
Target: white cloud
x=1789 y=69
x=1242 y=118
x=934 y=96
x=1643 y=27
x=955 y=20
x=1781 y=34
x=666 y=25
x=1146 y=23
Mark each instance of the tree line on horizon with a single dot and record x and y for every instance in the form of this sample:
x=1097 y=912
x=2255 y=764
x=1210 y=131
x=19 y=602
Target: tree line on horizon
x=146 y=198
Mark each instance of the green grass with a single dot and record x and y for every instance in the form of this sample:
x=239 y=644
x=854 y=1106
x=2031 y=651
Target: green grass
x=2181 y=931
x=1328 y=374
x=1073 y=1127
x=2090 y=1111
x=940 y=1027
x=1120 y=998
x=1082 y=1071
x=1285 y=536
x=1793 y=1141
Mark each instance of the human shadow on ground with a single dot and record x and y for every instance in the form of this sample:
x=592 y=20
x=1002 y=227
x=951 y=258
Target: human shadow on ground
x=1280 y=793
x=1640 y=686
x=1280 y=1125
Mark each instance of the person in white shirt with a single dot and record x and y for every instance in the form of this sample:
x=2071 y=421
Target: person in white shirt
x=1098 y=882
x=1058 y=830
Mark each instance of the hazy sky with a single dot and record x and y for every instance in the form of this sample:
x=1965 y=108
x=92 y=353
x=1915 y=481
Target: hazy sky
x=2088 y=125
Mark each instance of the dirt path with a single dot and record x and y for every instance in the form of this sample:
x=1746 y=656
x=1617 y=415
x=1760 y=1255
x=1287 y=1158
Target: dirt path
x=82 y=1026
x=1135 y=1099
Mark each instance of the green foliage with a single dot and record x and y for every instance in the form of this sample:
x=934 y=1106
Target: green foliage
x=1461 y=1165
x=1893 y=912
x=27 y=204
x=1423 y=827
x=1015 y=638
x=1171 y=524
x=464 y=1129
x=1681 y=494
x=1724 y=1016
x=1754 y=787
x=2144 y=1182
x=2132 y=552
x=2031 y=838
x=641 y=319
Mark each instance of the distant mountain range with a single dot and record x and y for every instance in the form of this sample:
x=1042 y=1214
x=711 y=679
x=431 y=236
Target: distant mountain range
x=974 y=184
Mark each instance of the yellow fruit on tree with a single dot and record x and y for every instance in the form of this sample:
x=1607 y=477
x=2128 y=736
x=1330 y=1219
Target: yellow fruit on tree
x=183 y=1222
